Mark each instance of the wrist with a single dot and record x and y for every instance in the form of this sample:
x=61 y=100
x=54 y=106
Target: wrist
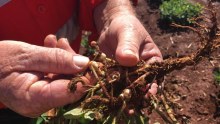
x=109 y=10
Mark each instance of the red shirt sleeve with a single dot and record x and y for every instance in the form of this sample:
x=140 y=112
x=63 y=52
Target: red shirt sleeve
x=86 y=19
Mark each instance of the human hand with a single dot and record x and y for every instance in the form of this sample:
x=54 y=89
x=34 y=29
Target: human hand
x=128 y=42
x=123 y=37
x=25 y=88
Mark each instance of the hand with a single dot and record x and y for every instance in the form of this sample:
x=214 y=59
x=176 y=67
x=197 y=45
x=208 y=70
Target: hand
x=25 y=88
x=128 y=41
x=123 y=37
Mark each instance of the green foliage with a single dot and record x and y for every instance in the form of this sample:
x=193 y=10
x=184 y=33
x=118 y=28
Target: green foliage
x=80 y=116
x=85 y=44
x=217 y=76
x=179 y=11
x=40 y=120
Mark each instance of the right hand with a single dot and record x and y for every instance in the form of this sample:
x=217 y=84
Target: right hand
x=25 y=89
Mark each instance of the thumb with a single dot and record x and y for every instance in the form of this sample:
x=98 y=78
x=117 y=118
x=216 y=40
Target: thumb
x=127 y=51
x=53 y=60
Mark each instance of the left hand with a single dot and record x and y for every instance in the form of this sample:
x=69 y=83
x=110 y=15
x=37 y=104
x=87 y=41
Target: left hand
x=26 y=89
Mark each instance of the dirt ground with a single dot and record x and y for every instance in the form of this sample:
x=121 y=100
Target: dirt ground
x=193 y=88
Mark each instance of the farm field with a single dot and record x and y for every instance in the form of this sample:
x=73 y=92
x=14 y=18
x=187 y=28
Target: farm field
x=193 y=89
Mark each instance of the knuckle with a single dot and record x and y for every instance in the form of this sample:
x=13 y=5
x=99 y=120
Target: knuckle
x=59 y=56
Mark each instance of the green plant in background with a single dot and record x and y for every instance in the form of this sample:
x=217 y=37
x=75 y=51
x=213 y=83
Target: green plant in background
x=179 y=11
x=217 y=75
x=87 y=50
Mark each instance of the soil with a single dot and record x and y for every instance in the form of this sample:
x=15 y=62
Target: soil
x=193 y=89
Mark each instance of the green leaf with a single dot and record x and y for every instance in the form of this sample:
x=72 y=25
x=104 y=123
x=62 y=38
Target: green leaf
x=74 y=113
x=39 y=120
x=44 y=117
x=217 y=75
x=178 y=11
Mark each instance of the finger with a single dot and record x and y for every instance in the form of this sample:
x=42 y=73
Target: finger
x=153 y=59
x=129 y=40
x=56 y=93
x=40 y=96
x=15 y=90
x=63 y=43
x=152 y=90
x=50 y=41
x=127 y=50
x=150 y=52
x=51 y=60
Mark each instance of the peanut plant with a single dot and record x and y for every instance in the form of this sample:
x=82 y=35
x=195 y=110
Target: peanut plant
x=179 y=11
x=119 y=89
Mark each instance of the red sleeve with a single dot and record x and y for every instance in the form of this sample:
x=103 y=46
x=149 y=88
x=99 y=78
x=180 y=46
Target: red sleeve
x=86 y=19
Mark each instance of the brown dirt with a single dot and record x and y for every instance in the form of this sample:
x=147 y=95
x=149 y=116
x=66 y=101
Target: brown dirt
x=192 y=88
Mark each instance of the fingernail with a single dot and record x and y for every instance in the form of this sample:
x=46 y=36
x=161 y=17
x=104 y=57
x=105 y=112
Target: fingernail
x=80 y=61
x=130 y=52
